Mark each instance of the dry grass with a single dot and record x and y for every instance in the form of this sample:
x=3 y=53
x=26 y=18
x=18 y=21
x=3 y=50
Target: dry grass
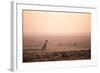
x=55 y=56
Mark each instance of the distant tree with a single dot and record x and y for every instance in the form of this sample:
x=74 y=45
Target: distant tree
x=60 y=44
x=74 y=44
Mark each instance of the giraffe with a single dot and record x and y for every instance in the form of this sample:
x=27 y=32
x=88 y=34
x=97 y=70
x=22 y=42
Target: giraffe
x=44 y=47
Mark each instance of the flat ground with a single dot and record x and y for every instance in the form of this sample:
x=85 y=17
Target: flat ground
x=56 y=56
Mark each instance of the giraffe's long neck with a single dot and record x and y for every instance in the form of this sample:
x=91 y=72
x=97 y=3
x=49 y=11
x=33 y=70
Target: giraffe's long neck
x=44 y=46
x=45 y=43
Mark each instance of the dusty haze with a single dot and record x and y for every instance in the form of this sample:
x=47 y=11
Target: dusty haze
x=55 y=23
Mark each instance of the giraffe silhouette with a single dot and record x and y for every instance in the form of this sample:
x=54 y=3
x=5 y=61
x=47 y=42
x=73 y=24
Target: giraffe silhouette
x=44 y=47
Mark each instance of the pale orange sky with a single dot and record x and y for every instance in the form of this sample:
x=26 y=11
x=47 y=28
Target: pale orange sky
x=55 y=23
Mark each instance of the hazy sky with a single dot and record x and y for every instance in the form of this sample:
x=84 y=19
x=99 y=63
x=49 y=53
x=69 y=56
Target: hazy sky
x=55 y=23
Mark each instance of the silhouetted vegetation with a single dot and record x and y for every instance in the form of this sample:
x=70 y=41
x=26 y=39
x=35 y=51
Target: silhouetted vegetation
x=56 y=56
